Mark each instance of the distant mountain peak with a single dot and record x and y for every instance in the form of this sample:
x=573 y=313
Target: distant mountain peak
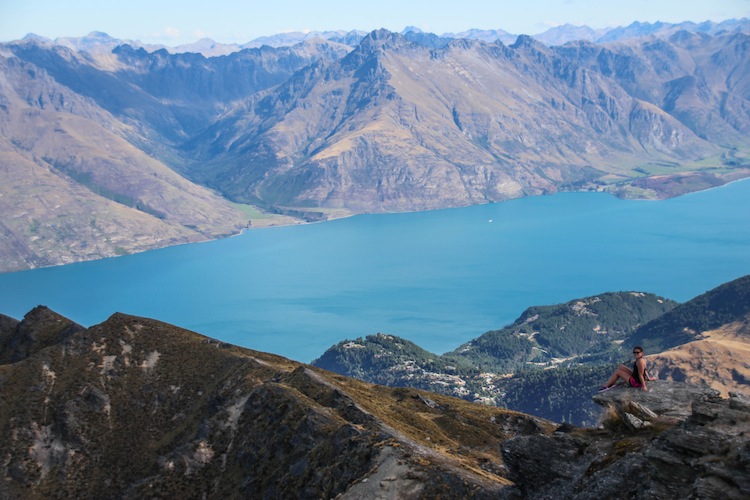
x=34 y=38
x=100 y=35
x=381 y=34
x=411 y=29
x=207 y=47
x=527 y=41
x=380 y=39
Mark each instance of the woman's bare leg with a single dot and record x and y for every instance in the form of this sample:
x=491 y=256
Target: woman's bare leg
x=622 y=372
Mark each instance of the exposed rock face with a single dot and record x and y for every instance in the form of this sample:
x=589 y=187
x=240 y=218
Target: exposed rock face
x=135 y=408
x=695 y=446
x=663 y=399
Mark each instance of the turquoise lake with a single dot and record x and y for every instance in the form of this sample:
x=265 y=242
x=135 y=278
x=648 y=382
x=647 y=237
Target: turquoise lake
x=437 y=278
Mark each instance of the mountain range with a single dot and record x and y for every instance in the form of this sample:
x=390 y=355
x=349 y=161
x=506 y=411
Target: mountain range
x=558 y=35
x=109 y=149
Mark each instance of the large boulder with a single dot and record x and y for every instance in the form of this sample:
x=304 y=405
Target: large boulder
x=664 y=399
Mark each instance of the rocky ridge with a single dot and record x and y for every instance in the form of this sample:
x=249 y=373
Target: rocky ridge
x=134 y=408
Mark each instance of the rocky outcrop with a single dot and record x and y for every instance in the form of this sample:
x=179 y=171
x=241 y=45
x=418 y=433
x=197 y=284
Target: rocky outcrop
x=637 y=408
x=689 y=444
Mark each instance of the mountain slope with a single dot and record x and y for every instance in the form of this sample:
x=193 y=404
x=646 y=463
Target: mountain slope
x=133 y=407
x=580 y=328
x=74 y=187
x=713 y=355
x=718 y=359
x=723 y=305
x=395 y=125
x=700 y=80
x=40 y=329
x=87 y=146
x=546 y=363
x=170 y=97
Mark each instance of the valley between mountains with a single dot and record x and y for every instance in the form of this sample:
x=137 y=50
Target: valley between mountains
x=108 y=148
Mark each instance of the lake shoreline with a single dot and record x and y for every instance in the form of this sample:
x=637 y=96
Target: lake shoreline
x=278 y=221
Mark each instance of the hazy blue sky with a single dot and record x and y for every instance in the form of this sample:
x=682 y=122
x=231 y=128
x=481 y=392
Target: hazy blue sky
x=173 y=22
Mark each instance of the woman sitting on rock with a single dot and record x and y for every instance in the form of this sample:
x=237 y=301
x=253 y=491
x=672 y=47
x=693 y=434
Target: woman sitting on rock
x=636 y=377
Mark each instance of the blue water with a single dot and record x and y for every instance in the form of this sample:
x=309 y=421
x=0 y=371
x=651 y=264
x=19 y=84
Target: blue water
x=437 y=278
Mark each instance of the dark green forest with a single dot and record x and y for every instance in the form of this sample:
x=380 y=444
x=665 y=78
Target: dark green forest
x=583 y=327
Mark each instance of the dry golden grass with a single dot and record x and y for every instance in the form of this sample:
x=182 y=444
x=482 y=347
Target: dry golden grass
x=455 y=431
x=720 y=360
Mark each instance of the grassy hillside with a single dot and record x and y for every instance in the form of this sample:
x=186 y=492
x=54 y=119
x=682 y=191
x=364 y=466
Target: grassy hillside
x=724 y=304
x=590 y=326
